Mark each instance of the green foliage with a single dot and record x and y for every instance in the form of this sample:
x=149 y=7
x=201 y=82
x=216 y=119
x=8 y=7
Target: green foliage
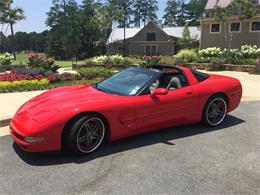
x=35 y=61
x=6 y=59
x=246 y=55
x=216 y=63
x=211 y=52
x=185 y=39
x=241 y=61
x=96 y=72
x=244 y=9
x=108 y=60
x=168 y=60
x=148 y=61
x=144 y=11
x=24 y=85
x=250 y=51
x=171 y=12
x=32 y=85
x=187 y=55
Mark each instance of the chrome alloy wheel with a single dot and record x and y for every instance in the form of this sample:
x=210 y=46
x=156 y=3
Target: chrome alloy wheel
x=90 y=135
x=216 y=111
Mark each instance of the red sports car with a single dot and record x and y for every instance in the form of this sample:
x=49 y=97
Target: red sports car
x=133 y=101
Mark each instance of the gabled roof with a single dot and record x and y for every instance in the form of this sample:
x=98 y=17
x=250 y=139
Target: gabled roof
x=118 y=33
x=212 y=3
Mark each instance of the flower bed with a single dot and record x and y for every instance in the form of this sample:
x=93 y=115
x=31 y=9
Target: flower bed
x=19 y=77
x=23 y=85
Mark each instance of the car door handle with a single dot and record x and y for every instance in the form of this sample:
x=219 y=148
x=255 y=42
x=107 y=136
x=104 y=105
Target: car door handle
x=189 y=93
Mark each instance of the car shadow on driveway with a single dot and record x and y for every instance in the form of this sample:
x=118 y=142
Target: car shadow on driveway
x=165 y=136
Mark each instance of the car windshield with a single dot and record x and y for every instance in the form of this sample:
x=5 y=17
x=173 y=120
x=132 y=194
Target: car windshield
x=128 y=82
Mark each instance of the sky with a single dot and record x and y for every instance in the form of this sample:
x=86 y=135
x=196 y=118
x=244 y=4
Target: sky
x=35 y=12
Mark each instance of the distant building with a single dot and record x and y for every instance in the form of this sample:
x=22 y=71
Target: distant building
x=150 y=40
x=237 y=33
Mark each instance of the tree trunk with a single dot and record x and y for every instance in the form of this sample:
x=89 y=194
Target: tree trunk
x=13 y=41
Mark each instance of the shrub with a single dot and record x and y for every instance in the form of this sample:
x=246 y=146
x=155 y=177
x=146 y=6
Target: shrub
x=18 y=77
x=34 y=60
x=231 y=55
x=216 y=63
x=249 y=51
x=249 y=61
x=107 y=60
x=6 y=59
x=168 y=60
x=54 y=78
x=211 y=52
x=187 y=55
x=38 y=61
x=70 y=77
x=147 y=61
x=29 y=71
x=96 y=72
x=23 y=85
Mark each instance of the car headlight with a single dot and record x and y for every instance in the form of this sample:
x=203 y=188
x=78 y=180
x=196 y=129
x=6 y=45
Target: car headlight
x=33 y=139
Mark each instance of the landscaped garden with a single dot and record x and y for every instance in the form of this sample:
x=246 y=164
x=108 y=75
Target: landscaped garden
x=37 y=71
x=41 y=73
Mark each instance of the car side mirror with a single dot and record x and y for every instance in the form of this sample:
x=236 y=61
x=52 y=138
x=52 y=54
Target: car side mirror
x=160 y=91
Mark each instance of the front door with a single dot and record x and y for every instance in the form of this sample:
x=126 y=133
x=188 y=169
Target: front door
x=151 y=50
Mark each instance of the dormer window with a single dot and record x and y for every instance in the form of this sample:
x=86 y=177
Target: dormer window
x=151 y=36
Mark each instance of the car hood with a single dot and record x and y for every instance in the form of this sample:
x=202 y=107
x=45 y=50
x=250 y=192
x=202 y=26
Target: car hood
x=58 y=99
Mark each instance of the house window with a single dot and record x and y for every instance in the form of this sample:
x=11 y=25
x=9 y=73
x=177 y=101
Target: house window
x=255 y=2
x=215 y=28
x=255 y=27
x=235 y=27
x=151 y=36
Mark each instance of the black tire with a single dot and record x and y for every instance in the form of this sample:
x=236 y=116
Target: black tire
x=79 y=132
x=216 y=107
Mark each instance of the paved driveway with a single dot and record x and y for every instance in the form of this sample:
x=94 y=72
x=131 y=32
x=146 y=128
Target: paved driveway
x=191 y=159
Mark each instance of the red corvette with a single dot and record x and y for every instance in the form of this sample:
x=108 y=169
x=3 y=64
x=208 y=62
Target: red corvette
x=133 y=101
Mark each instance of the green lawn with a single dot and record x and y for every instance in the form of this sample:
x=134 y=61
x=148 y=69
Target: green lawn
x=21 y=58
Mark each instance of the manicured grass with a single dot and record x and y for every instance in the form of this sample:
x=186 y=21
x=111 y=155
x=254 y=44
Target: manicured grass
x=21 y=58
x=67 y=64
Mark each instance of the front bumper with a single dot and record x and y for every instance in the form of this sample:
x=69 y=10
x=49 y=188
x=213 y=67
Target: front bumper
x=47 y=141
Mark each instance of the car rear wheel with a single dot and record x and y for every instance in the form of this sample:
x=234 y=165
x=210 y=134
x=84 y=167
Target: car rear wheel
x=215 y=111
x=85 y=135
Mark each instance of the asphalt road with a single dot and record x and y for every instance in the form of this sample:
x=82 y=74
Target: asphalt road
x=190 y=159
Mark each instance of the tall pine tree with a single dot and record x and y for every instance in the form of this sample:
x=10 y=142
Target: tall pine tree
x=171 y=11
x=145 y=11
x=195 y=10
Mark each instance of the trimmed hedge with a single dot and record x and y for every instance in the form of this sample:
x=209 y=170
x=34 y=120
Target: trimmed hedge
x=23 y=85
x=32 y=85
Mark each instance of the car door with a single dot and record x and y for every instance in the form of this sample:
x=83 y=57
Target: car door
x=175 y=108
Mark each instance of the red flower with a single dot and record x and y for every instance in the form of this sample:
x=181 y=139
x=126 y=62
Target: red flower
x=52 y=79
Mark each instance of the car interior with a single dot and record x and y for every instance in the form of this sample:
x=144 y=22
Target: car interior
x=169 y=79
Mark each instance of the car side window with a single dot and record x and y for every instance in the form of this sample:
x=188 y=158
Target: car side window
x=173 y=81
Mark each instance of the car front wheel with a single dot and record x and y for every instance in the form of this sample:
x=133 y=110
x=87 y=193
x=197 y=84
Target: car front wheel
x=214 y=111
x=85 y=135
